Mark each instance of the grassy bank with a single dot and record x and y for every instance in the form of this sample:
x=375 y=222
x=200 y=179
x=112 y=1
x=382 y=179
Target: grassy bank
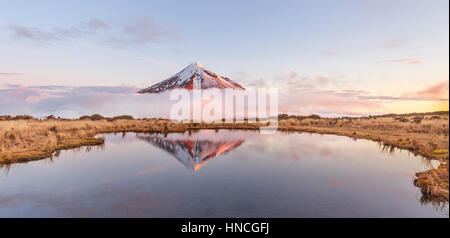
x=32 y=139
x=426 y=134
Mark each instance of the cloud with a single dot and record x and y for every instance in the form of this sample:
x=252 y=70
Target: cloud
x=293 y=75
x=38 y=35
x=436 y=92
x=395 y=43
x=261 y=82
x=351 y=92
x=331 y=52
x=5 y=74
x=439 y=92
x=293 y=80
x=439 y=89
x=96 y=24
x=322 y=80
x=326 y=103
x=402 y=60
x=107 y=89
x=50 y=87
x=11 y=85
x=307 y=94
x=299 y=85
x=314 y=94
x=73 y=102
x=32 y=33
x=8 y=75
x=133 y=32
x=143 y=31
x=295 y=97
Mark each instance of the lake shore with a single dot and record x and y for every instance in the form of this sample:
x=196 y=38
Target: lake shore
x=24 y=138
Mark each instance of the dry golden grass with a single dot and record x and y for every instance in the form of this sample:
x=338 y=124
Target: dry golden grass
x=422 y=134
x=434 y=182
x=22 y=140
x=421 y=138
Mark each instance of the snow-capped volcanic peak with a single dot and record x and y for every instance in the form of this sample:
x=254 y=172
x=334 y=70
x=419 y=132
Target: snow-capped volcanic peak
x=194 y=76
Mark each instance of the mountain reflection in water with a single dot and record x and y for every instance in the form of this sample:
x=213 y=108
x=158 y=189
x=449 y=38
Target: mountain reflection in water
x=192 y=153
x=277 y=175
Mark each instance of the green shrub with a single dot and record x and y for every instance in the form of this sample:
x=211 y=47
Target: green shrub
x=5 y=117
x=85 y=117
x=51 y=117
x=123 y=117
x=22 y=117
x=435 y=117
x=314 y=116
x=417 y=119
x=97 y=117
x=401 y=119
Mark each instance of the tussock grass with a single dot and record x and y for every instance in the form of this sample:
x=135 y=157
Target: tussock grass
x=36 y=139
x=434 y=182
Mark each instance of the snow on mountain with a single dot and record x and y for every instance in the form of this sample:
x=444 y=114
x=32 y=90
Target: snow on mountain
x=192 y=153
x=194 y=76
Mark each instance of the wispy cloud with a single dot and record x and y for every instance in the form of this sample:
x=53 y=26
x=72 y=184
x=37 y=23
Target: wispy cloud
x=143 y=31
x=321 y=94
x=438 y=91
x=5 y=74
x=395 y=43
x=402 y=60
x=112 y=36
x=96 y=24
x=33 y=33
x=127 y=33
x=322 y=80
x=326 y=103
x=293 y=80
x=331 y=52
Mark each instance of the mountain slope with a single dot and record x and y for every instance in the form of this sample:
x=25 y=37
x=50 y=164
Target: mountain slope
x=194 y=76
x=192 y=153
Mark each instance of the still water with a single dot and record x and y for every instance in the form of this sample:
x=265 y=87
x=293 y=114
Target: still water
x=219 y=174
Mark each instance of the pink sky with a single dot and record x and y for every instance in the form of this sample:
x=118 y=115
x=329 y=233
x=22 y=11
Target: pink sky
x=360 y=58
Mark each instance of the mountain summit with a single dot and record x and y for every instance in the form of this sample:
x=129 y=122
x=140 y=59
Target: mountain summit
x=193 y=153
x=194 y=76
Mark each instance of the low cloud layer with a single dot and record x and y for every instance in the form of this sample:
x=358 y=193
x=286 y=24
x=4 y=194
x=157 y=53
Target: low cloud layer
x=73 y=102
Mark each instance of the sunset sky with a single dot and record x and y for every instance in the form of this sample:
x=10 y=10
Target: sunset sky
x=326 y=57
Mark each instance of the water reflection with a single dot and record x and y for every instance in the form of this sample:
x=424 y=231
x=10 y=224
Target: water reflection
x=192 y=153
x=279 y=175
x=5 y=168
